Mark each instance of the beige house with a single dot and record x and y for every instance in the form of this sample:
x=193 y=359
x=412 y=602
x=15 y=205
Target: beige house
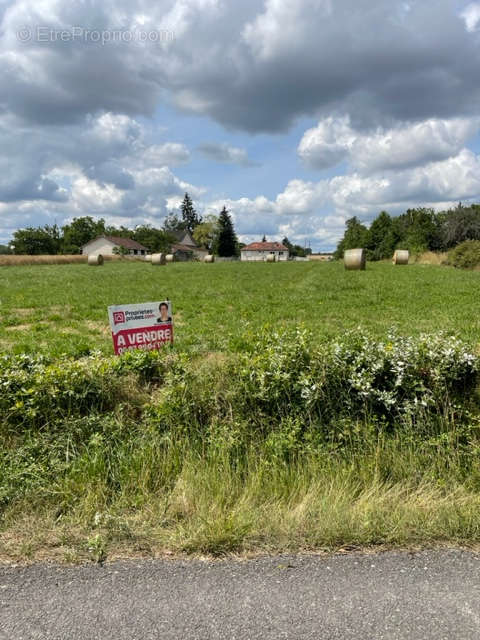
x=110 y=245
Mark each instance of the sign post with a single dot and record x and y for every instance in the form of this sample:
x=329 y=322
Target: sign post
x=146 y=326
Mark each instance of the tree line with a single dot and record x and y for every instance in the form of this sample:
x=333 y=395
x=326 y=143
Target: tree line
x=417 y=230
x=215 y=233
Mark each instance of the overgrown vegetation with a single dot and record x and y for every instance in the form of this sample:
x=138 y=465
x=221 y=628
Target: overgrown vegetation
x=286 y=444
x=466 y=255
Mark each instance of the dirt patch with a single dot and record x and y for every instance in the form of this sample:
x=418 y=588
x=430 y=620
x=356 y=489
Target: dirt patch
x=19 y=327
x=59 y=308
x=24 y=312
x=98 y=327
x=70 y=331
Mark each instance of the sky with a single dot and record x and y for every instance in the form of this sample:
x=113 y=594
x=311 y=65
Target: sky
x=295 y=115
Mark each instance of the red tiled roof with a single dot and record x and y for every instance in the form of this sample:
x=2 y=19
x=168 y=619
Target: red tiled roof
x=265 y=246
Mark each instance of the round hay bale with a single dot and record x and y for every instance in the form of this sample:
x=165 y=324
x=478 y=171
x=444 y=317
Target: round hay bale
x=355 y=259
x=271 y=258
x=209 y=259
x=401 y=256
x=170 y=257
x=159 y=259
x=95 y=261
x=148 y=258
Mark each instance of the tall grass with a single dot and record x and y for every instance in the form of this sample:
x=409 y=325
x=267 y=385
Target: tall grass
x=432 y=258
x=151 y=493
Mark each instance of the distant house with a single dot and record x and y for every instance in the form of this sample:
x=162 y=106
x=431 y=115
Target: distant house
x=186 y=248
x=110 y=245
x=258 y=251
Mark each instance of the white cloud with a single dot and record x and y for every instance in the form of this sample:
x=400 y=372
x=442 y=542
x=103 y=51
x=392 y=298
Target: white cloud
x=301 y=197
x=283 y=25
x=413 y=144
x=406 y=145
x=327 y=144
x=457 y=178
x=170 y=154
x=114 y=128
x=471 y=15
x=89 y=195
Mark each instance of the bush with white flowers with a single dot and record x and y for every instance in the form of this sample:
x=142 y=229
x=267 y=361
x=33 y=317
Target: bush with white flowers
x=359 y=374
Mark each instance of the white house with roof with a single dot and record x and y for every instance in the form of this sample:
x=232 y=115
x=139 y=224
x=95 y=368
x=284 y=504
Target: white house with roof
x=110 y=245
x=258 y=251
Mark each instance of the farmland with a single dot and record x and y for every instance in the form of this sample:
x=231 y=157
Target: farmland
x=288 y=415
x=62 y=309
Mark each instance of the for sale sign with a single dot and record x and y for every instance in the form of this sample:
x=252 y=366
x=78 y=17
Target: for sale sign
x=145 y=326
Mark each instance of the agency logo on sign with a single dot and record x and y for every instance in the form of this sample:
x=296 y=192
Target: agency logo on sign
x=119 y=317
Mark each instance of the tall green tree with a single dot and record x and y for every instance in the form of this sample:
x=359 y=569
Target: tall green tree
x=227 y=243
x=156 y=240
x=420 y=230
x=79 y=232
x=120 y=232
x=381 y=238
x=205 y=233
x=37 y=241
x=460 y=224
x=295 y=249
x=355 y=237
x=189 y=216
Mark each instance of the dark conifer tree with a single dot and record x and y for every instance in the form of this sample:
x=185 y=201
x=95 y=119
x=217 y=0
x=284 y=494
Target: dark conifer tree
x=227 y=240
x=190 y=217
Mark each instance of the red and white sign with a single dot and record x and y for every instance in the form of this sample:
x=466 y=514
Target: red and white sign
x=146 y=326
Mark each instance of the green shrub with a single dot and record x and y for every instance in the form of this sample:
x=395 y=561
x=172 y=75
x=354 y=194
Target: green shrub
x=466 y=255
x=280 y=376
x=277 y=377
x=37 y=393
x=358 y=375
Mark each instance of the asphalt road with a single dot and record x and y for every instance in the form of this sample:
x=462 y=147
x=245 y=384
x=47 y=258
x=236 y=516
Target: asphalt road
x=430 y=595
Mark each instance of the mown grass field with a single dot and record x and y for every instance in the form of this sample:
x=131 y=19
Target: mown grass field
x=238 y=440
x=63 y=309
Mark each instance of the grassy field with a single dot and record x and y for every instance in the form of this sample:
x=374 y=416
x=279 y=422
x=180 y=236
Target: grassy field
x=63 y=309
x=238 y=440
